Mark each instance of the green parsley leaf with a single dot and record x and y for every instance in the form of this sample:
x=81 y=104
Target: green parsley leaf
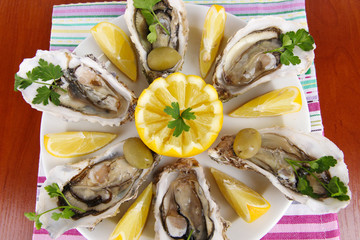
x=187 y=114
x=38 y=224
x=56 y=216
x=174 y=110
x=31 y=216
x=179 y=124
x=152 y=36
x=53 y=190
x=322 y=164
x=288 y=57
x=21 y=83
x=145 y=4
x=42 y=96
x=47 y=71
x=303 y=186
x=338 y=189
x=67 y=213
x=149 y=18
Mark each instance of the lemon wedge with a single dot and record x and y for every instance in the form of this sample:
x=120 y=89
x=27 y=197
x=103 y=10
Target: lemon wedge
x=189 y=92
x=74 y=144
x=212 y=34
x=247 y=203
x=116 y=45
x=132 y=223
x=274 y=103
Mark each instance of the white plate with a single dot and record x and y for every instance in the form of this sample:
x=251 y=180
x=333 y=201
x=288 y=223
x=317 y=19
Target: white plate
x=299 y=120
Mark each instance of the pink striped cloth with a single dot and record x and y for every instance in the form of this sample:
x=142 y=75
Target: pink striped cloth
x=71 y=24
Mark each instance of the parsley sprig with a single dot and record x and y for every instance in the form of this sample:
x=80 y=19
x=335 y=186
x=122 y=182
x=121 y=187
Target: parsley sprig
x=179 y=123
x=53 y=191
x=41 y=75
x=289 y=40
x=335 y=187
x=147 y=11
x=191 y=232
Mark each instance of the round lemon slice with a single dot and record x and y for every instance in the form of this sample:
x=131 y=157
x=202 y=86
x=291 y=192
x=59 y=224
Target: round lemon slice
x=74 y=144
x=247 y=203
x=116 y=45
x=212 y=34
x=274 y=103
x=132 y=223
x=188 y=94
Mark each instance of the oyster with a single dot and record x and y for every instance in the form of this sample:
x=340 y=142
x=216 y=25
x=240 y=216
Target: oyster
x=172 y=15
x=244 y=62
x=91 y=92
x=279 y=144
x=184 y=206
x=97 y=185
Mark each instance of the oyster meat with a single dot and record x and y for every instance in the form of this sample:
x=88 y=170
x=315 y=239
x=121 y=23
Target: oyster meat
x=245 y=62
x=97 y=185
x=184 y=206
x=88 y=91
x=172 y=15
x=279 y=144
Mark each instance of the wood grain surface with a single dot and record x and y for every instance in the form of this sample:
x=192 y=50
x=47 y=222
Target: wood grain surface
x=25 y=27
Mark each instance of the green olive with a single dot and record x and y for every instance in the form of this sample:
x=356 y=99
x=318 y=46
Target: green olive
x=162 y=58
x=137 y=154
x=247 y=143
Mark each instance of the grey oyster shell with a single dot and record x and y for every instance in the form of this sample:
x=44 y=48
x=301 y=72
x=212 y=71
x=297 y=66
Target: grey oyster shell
x=279 y=143
x=172 y=14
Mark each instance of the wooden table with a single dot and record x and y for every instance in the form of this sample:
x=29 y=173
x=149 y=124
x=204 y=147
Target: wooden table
x=25 y=27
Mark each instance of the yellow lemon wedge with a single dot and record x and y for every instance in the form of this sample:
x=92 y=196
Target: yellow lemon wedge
x=116 y=45
x=74 y=144
x=183 y=96
x=274 y=103
x=132 y=223
x=212 y=34
x=247 y=203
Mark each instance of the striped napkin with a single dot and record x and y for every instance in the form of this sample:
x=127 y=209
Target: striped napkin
x=70 y=26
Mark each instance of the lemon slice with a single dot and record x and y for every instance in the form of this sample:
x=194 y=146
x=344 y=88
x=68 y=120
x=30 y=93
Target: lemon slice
x=274 y=103
x=116 y=45
x=212 y=34
x=132 y=223
x=188 y=91
x=74 y=144
x=247 y=203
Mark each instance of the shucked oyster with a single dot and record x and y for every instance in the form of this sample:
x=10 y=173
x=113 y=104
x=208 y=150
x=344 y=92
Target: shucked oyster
x=183 y=205
x=172 y=15
x=88 y=91
x=245 y=63
x=97 y=185
x=280 y=145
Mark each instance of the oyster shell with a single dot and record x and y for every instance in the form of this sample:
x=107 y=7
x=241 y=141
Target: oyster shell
x=97 y=185
x=280 y=143
x=183 y=204
x=172 y=15
x=92 y=93
x=244 y=64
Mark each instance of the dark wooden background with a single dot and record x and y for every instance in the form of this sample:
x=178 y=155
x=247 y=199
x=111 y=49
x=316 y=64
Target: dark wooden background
x=25 y=27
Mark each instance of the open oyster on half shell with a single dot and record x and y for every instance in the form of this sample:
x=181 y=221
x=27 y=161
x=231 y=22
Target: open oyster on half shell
x=172 y=15
x=245 y=62
x=98 y=186
x=279 y=146
x=183 y=204
x=87 y=91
